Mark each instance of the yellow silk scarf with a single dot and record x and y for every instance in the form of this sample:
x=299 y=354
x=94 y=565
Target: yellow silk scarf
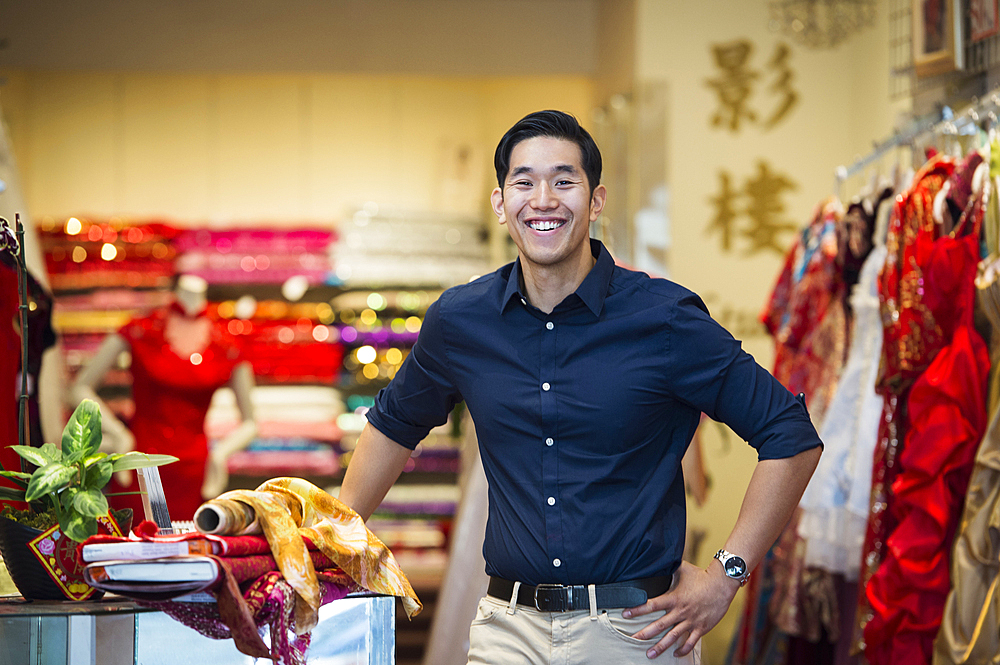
x=290 y=508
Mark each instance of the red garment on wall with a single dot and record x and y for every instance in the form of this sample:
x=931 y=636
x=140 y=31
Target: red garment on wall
x=946 y=410
x=40 y=337
x=172 y=395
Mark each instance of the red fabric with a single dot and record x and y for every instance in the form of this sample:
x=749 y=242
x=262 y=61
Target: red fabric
x=226 y=546
x=947 y=421
x=172 y=396
x=247 y=568
x=10 y=369
x=40 y=337
x=911 y=339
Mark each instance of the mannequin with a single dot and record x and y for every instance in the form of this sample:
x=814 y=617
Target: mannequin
x=179 y=358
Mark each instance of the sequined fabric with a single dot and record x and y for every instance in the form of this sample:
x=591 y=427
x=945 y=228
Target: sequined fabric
x=269 y=601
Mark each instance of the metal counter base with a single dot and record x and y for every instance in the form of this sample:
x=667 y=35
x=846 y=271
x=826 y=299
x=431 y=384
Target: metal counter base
x=352 y=631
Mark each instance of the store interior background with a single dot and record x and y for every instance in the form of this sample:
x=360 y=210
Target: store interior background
x=268 y=112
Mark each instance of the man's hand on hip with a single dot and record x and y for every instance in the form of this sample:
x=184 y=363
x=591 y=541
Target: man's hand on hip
x=696 y=603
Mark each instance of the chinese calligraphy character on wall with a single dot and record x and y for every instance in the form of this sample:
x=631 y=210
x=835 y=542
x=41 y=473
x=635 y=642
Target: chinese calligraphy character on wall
x=754 y=212
x=734 y=86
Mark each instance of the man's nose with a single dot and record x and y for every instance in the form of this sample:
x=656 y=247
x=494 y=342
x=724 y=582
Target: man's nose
x=545 y=198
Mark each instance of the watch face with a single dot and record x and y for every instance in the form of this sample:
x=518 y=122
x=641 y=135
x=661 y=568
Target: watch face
x=736 y=567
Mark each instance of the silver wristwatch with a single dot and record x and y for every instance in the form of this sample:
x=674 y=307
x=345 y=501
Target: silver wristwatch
x=735 y=566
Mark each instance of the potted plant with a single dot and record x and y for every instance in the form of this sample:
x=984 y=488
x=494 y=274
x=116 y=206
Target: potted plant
x=64 y=494
x=68 y=481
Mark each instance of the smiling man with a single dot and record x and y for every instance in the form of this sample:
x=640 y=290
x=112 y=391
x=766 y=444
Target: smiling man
x=586 y=382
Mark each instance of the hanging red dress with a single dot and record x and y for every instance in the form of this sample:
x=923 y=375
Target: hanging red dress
x=172 y=395
x=911 y=338
x=946 y=410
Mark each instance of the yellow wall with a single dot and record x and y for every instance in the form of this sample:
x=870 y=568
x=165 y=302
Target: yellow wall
x=843 y=106
x=222 y=149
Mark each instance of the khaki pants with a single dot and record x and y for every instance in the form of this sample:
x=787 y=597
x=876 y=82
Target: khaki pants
x=504 y=633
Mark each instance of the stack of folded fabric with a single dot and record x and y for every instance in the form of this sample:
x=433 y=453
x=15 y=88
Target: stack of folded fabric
x=255 y=256
x=86 y=254
x=297 y=430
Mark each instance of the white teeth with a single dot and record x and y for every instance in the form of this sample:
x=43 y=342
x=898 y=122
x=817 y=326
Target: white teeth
x=545 y=226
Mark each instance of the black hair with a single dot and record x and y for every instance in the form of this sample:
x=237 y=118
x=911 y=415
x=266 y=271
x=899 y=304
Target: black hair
x=553 y=124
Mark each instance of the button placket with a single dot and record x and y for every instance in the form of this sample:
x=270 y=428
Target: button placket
x=550 y=430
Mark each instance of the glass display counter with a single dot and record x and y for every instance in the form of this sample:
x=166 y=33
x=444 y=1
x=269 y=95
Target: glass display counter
x=357 y=630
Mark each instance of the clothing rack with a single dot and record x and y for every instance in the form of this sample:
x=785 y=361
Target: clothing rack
x=943 y=123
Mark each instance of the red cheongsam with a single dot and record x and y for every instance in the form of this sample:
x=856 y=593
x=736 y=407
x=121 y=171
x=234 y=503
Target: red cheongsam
x=172 y=395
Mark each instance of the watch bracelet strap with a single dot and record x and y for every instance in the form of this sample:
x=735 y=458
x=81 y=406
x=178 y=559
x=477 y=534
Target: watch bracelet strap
x=723 y=553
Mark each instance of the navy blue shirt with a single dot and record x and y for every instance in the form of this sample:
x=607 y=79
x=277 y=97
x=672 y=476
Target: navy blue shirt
x=583 y=415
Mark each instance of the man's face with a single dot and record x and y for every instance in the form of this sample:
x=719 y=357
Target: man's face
x=546 y=203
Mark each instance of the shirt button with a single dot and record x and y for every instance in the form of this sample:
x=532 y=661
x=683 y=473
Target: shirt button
x=549 y=325
x=552 y=501
x=549 y=441
x=523 y=301
x=556 y=562
x=546 y=386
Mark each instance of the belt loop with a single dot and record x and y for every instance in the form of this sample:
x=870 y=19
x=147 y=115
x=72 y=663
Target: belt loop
x=512 y=605
x=592 y=593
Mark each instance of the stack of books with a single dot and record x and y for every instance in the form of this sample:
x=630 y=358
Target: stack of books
x=153 y=569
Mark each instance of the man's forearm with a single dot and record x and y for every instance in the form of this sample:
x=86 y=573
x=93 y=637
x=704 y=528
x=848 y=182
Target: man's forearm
x=375 y=465
x=771 y=498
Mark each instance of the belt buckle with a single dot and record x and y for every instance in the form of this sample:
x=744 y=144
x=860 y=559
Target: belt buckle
x=551 y=598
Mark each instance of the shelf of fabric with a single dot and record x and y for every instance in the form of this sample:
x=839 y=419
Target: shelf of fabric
x=255 y=255
x=86 y=254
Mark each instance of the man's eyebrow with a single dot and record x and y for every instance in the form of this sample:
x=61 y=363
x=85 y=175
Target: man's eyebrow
x=559 y=168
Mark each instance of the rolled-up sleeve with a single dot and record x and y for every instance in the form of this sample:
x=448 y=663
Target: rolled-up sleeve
x=422 y=394
x=708 y=369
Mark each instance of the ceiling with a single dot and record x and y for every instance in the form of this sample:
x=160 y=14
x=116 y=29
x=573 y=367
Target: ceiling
x=436 y=37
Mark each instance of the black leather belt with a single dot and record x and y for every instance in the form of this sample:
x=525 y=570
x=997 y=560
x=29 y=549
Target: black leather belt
x=558 y=598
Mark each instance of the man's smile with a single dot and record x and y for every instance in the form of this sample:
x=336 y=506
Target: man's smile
x=545 y=223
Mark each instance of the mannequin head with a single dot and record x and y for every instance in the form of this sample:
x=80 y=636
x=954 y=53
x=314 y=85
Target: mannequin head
x=189 y=293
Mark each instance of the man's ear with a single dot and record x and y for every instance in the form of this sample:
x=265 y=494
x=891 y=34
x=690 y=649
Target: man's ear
x=496 y=200
x=597 y=200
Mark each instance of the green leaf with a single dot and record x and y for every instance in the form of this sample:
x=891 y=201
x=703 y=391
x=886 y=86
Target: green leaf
x=82 y=435
x=51 y=452
x=135 y=460
x=11 y=494
x=49 y=479
x=78 y=527
x=33 y=455
x=18 y=478
x=98 y=475
x=66 y=497
x=93 y=459
x=90 y=503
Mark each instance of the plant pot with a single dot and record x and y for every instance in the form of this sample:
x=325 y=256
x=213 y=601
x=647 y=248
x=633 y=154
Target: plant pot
x=30 y=577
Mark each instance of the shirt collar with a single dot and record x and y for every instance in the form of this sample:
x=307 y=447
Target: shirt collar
x=592 y=290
